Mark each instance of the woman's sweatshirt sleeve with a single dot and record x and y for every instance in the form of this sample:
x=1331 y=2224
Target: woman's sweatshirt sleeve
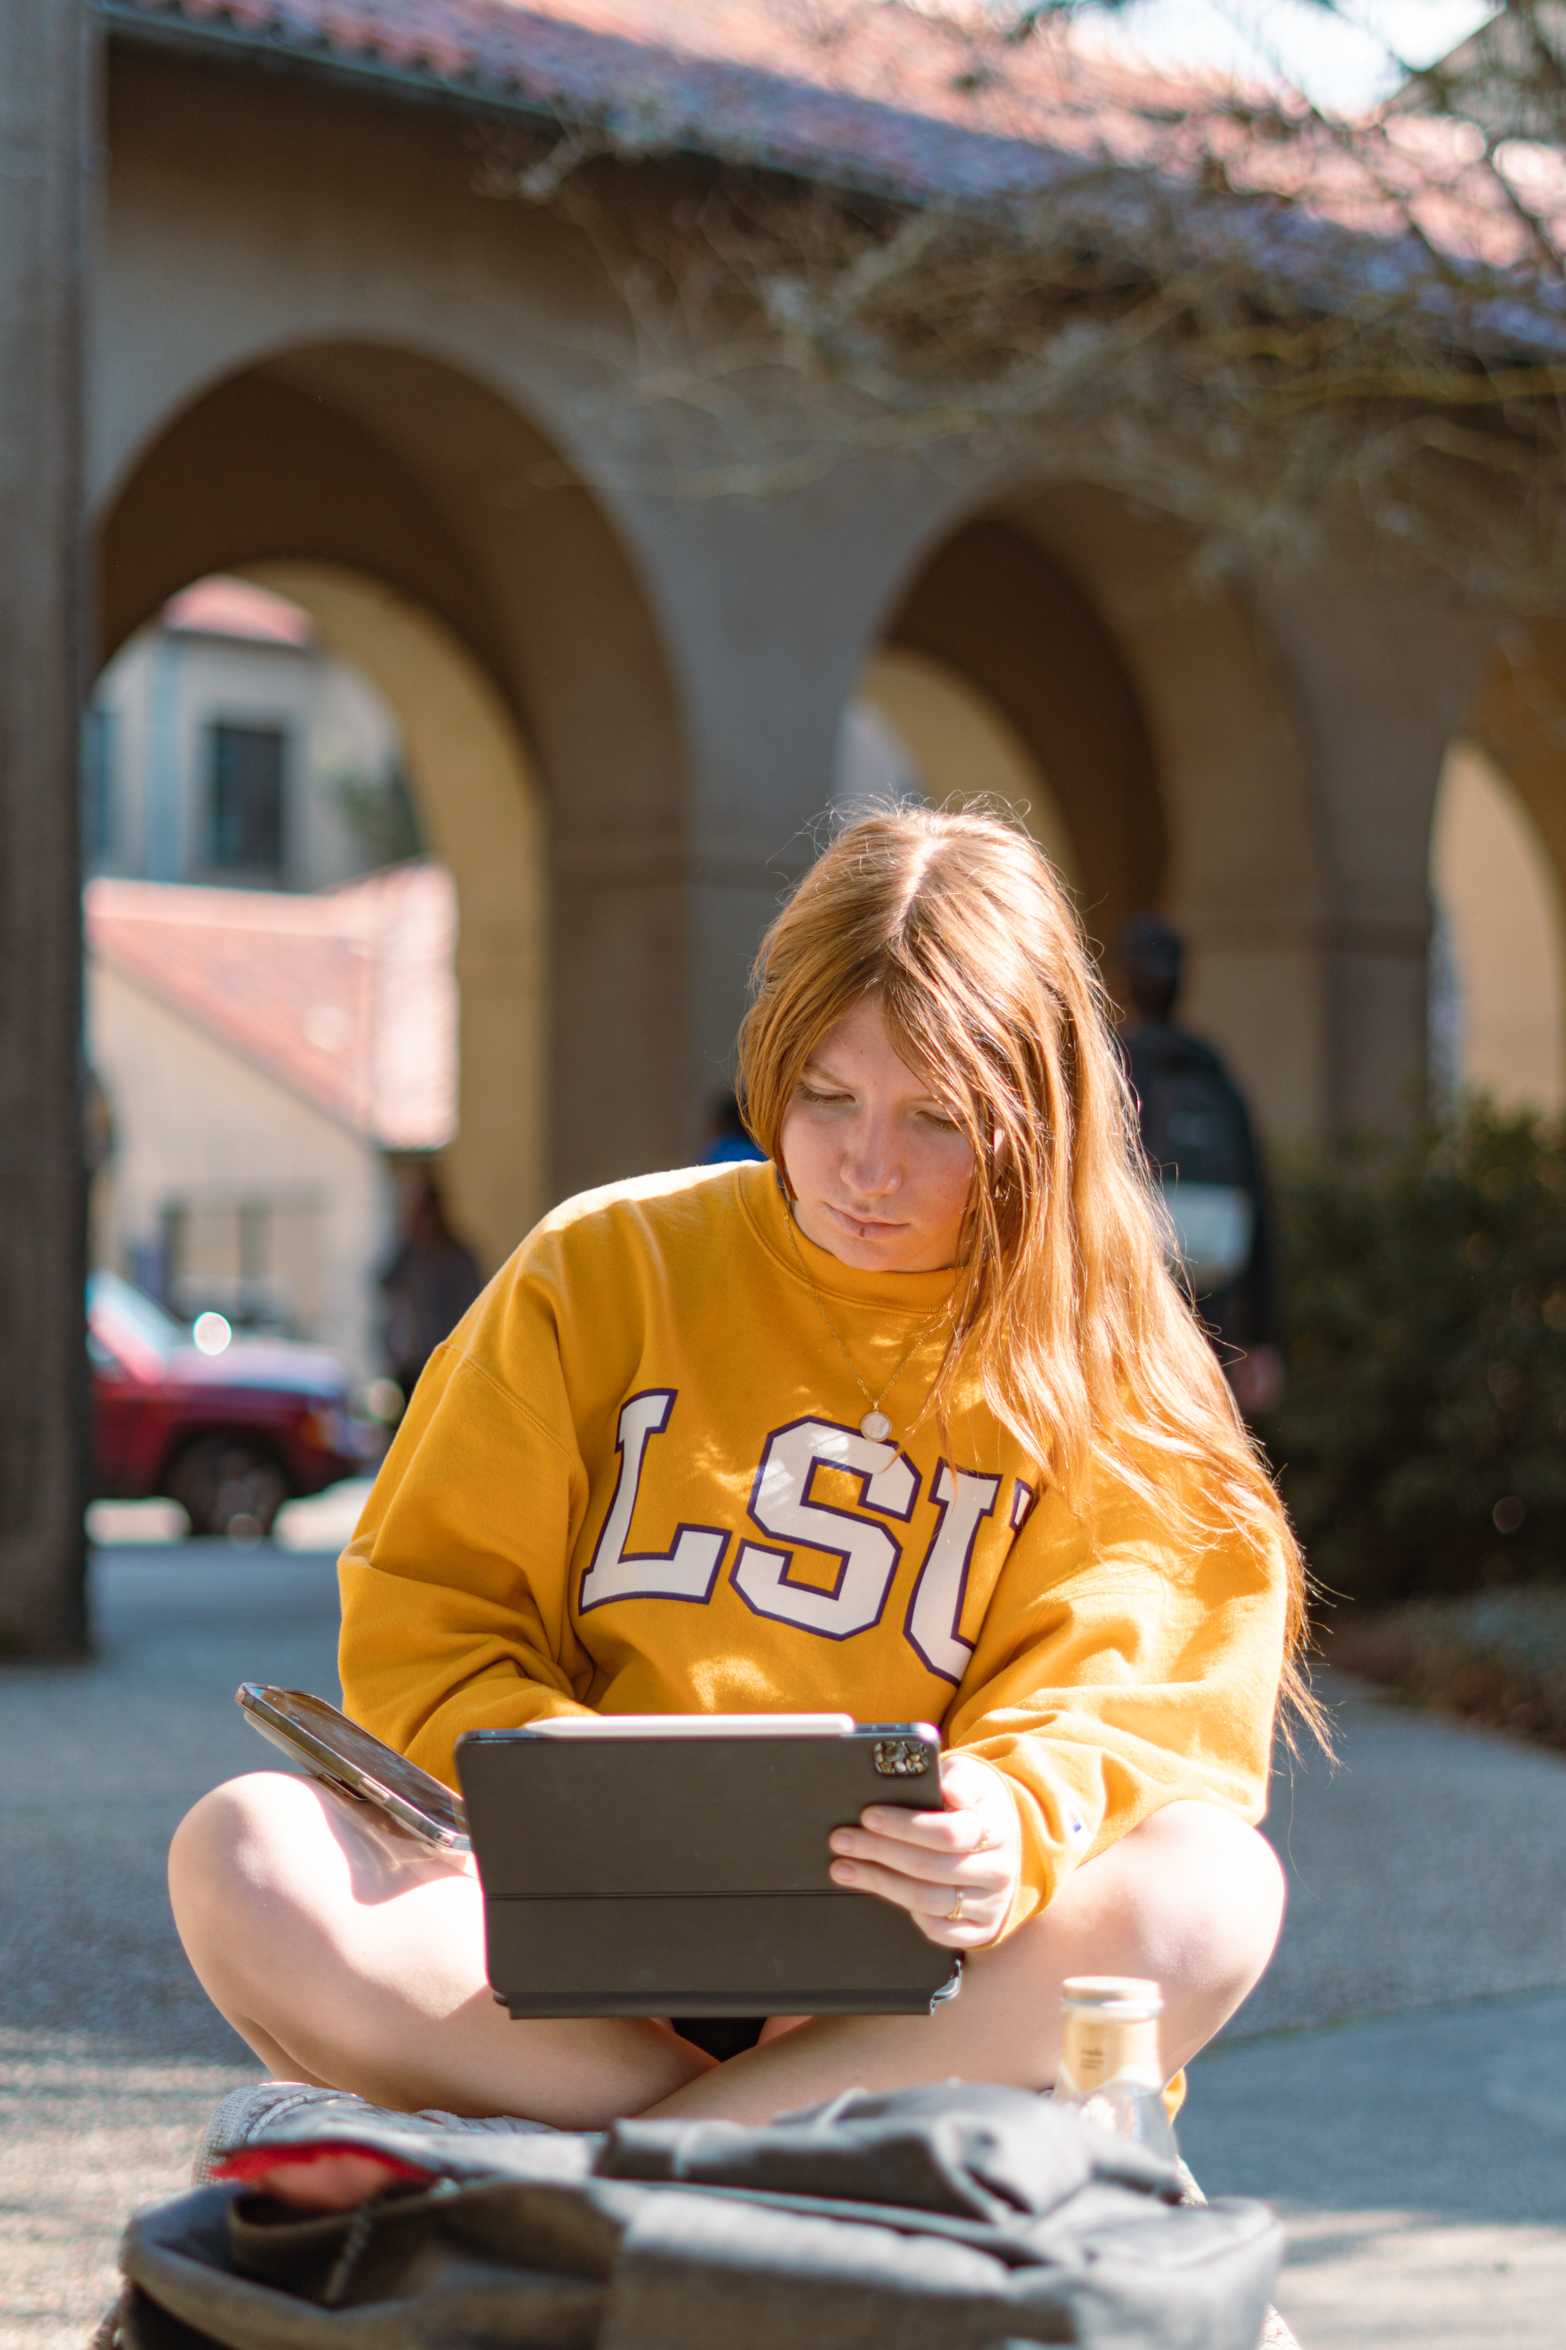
x=1115 y=1674
x=454 y=1586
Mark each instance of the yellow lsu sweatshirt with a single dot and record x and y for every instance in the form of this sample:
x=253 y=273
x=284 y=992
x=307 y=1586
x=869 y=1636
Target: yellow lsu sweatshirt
x=633 y=1481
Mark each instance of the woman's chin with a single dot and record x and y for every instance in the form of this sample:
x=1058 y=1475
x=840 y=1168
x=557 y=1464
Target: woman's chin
x=869 y=1248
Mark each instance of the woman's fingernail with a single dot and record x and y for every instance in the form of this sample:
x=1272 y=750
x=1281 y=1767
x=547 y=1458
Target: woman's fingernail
x=842 y=1873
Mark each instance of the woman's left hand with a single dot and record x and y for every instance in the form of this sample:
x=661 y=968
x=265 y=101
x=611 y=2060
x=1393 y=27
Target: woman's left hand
x=955 y=1871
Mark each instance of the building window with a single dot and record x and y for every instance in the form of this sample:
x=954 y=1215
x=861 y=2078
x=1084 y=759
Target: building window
x=97 y=790
x=245 y=801
x=259 y=1259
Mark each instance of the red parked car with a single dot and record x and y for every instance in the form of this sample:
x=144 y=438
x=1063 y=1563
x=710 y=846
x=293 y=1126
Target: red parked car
x=231 y=1430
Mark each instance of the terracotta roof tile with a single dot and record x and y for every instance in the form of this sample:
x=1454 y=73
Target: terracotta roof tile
x=233 y=608
x=348 y=996
x=818 y=85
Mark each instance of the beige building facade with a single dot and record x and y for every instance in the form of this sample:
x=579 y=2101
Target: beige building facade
x=213 y=1141
x=277 y=1071
x=223 y=746
x=324 y=359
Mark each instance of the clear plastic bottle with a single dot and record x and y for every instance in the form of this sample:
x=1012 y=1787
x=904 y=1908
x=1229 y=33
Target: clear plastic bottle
x=1109 y=2062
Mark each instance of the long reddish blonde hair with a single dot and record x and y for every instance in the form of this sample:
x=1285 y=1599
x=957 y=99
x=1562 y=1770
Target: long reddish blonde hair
x=1086 y=1348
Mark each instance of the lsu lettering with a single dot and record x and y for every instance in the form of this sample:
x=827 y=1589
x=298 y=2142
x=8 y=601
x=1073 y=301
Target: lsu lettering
x=864 y=1539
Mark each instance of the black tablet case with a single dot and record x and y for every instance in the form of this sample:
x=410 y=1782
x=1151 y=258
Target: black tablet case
x=669 y=1875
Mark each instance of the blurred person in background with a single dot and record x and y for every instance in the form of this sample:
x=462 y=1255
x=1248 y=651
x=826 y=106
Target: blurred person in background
x=1201 y=1142
x=427 y=1284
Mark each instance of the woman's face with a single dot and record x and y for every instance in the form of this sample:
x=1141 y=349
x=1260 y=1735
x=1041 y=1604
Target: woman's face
x=881 y=1172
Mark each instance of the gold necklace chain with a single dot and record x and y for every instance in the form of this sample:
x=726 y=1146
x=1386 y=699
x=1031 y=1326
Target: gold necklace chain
x=874 y=1423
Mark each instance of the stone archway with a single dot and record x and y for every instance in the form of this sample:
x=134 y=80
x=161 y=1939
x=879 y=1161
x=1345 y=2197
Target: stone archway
x=993 y=614
x=441 y=541
x=1157 y=712
x=1241 y=866
x=483 y=815
x=954 y=740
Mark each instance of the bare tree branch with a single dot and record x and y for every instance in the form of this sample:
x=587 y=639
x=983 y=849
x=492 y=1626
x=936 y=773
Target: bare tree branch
x=1280 y=321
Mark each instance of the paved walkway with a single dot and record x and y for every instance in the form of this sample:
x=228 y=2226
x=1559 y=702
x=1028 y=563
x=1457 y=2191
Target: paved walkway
x=1397 y=2086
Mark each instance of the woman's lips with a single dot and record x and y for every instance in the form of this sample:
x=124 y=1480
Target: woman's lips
x=866 y=1227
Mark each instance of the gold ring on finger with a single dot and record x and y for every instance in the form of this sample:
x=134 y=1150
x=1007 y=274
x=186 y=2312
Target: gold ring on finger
x=954 y=1914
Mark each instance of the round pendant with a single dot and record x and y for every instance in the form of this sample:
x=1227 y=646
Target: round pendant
x=876 y=1426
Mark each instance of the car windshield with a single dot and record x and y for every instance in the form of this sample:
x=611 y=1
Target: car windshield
x=136 y=1314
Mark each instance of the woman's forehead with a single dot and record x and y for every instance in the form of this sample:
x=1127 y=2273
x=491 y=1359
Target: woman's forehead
x=863 y=1042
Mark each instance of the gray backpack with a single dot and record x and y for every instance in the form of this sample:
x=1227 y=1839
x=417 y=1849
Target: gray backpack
x=960 y=2217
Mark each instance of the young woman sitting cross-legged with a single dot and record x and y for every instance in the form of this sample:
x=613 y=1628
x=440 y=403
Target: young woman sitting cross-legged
x=908 y=1420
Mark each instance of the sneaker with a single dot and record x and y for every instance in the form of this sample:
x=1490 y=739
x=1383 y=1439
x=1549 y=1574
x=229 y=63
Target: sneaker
x=244 y=2116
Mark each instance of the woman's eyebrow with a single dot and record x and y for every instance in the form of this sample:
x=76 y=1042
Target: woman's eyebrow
x=828 y=1076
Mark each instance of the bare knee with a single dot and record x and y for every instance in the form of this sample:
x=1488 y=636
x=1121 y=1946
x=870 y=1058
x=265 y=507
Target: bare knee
x=1228 y=1871
x=235 y=1850
x=1208 y=1892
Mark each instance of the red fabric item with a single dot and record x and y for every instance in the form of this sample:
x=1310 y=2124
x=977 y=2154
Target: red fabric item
x=249 y=2165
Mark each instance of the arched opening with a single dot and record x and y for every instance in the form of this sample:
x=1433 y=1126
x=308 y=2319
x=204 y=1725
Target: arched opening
x=1063 y=640
x=483 y=813
x=1498 y=874
x=270 y=987
x=442 y=544
x=1498 y=1009
x=918 y=725
x=994 y=672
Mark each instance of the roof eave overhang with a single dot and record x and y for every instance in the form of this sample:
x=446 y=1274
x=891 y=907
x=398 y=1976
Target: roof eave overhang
x=1290 y=247
x=486 y=97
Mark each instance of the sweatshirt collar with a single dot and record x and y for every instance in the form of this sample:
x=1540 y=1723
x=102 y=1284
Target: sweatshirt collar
x=761 y=1196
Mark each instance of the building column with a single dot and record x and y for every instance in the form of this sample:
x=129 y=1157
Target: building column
x=46 y=53
x=1385 y=679
x=769 y=609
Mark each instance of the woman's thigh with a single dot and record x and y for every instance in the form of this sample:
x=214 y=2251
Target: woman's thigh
x=1192 y=1898
x=347 y=1953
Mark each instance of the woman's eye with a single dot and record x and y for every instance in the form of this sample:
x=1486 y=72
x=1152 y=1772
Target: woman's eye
x=943 y=1124
x=808 y=1093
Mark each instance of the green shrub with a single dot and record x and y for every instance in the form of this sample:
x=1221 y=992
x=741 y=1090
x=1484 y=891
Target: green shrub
x=1421 y=1439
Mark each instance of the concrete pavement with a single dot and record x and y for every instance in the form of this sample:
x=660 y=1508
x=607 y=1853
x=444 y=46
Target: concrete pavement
x=1397 y=2087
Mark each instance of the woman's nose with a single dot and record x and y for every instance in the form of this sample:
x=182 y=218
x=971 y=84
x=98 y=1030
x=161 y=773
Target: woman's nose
x=870 y=1167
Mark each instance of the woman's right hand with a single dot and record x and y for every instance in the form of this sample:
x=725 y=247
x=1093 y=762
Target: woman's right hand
x=955 y=1871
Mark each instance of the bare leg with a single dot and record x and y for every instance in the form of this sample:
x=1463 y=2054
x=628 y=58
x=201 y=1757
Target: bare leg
x=346 y=1955
x=1192 y=1898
